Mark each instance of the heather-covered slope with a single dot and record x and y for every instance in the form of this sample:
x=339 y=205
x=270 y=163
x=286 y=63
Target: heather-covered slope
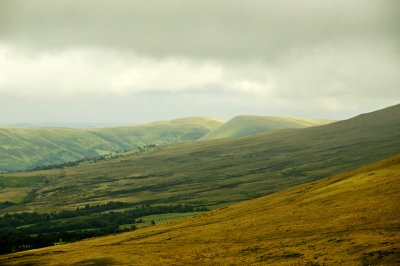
x=350 y=219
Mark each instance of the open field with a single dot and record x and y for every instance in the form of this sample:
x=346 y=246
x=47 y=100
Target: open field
x=220 y=172
x=350 y=219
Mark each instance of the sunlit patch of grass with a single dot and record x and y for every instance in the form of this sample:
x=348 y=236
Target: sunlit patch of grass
x=15 y=195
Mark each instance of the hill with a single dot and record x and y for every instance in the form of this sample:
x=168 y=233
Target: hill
x=159 y=133
x=26 y=148
x=350 y=219
x=247 y=125
x=212 y=173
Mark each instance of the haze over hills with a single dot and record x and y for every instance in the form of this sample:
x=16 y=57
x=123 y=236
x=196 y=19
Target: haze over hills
x=213 y=173
x=350 y=219
x=81 y=125
x=25 y=148
x=248 y=125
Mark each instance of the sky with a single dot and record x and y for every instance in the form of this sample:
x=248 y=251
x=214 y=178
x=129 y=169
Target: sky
x=120 y=61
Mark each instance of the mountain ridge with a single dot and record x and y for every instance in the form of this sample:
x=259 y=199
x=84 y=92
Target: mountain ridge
x=247 y=125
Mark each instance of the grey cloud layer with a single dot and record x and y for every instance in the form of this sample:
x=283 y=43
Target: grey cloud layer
x=354 y=73
x=333 y=58
x=224 y=28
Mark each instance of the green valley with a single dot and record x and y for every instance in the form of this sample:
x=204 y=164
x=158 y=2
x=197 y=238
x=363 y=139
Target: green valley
x=28 y=148
x=214 y=173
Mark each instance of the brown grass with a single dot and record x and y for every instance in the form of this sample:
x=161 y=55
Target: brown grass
x=348 y=219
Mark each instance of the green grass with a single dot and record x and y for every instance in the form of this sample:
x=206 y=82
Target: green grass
x=23 y=181
x=246 y=125
x=26 y=148
x=221 y=172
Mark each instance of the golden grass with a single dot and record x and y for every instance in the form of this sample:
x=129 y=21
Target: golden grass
x=13 y=194
x=348 y=219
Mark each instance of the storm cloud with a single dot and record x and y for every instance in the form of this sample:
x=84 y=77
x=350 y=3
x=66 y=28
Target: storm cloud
x=219 y=58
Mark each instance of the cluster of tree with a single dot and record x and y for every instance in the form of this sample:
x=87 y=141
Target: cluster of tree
x=29 y=230
x=24 y=218
x=13 y=240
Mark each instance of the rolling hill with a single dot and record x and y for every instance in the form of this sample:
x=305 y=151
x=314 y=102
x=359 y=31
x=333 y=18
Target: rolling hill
x=212 y=173
x=348 y=219
x=26 y=148
x=247 y=125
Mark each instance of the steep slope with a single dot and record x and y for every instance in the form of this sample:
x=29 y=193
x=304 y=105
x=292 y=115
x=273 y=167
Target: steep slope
x=25 y=148
x=215 y=173
x=349 y=219
x=247 y=125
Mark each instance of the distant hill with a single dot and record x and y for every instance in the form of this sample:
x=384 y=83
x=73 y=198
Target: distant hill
x=162 y=132
x=81 y=125
x=213 y=173
x=247 y=125
x=22 y=148
x=349 y=219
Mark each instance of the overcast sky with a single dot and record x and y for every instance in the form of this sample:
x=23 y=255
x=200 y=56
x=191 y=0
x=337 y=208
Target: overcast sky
x=126 y=61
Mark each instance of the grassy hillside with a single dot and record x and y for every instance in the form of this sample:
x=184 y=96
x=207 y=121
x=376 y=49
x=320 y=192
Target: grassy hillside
x=246 y=125
x=214 y=173
x=348 y=219
x=26 y=148
x=163 y=132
